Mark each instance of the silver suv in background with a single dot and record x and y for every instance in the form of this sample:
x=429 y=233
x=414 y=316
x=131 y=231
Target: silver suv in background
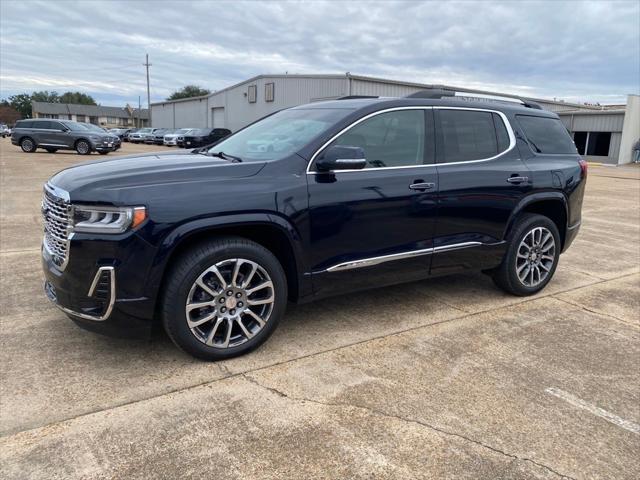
x=53 y=135
x=141 y=135
x=171 y=139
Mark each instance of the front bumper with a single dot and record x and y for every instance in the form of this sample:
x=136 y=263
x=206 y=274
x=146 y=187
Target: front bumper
x=173 y=141
x=105 y=146
x=99 y=287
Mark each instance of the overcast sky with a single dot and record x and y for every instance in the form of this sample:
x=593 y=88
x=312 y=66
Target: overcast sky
x=571 y=50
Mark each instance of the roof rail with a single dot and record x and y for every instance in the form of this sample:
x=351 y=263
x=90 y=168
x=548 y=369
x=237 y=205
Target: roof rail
x=352 y=97
x=432 y=93
x=442 y=93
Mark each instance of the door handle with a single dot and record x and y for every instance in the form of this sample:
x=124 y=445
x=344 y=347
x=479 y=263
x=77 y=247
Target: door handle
x=422 y=186
x=517 y=179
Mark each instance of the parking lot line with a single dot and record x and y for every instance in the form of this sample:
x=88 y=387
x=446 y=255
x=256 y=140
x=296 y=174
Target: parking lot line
x=600 y=412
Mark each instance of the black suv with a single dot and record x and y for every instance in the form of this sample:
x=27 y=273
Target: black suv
x=200 y=137
x=312 y=201
x=54 y=135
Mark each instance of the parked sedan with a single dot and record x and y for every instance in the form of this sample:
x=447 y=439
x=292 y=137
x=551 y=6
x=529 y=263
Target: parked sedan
x=141 y=135
x=158 y=136
x=127 y=137
x=171 y=139
x=121 y=133
x=204 y=136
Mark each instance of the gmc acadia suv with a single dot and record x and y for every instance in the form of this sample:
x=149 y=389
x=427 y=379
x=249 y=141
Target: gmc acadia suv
x=312 y=201
x=54 y=135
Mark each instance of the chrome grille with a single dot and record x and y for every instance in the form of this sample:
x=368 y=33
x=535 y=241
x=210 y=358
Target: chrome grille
x=55 y=212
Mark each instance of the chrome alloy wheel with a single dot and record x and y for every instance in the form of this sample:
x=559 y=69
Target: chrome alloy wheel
x=229 y=303
x=535 y=257
x=27 y=145
x=83 y=148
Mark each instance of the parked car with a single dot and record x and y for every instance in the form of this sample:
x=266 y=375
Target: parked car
x=5 y=131
x=54 y=135
x=171 y=139
x=129 y=133
x=121 y=133
x=366 y=193
x=158 y=136
x=204 y=136
x=141 y=135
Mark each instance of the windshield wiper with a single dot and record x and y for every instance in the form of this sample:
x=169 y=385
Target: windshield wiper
x=226 y=156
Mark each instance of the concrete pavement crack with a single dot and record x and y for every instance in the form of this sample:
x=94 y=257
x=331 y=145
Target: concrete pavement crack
x=381 y=413
x=590 y=310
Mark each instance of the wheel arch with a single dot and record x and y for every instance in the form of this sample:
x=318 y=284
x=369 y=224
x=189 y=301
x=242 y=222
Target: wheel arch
x=552 y=205
x=272 y=232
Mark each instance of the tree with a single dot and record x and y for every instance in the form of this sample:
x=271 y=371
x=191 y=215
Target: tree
x=22 y=103
x=189 y=91
x=45 y=96
x=77 y=98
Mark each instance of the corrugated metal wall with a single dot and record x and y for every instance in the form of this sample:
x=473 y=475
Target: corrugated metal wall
x=596 y=122
x=288 y=92
x=373 y=88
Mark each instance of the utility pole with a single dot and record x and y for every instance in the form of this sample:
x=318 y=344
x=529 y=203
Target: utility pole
x=147 y=64
x=139 y=111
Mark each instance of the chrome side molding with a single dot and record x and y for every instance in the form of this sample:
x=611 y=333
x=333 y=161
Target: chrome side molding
x=368 y=262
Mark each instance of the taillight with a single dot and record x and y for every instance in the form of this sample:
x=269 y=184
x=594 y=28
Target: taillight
x=584 y=166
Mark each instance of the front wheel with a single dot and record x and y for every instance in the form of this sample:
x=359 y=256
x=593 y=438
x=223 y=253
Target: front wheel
x=531 y=258
x=223 y=298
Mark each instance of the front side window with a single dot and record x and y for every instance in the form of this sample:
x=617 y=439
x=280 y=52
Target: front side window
x=546 y=135
x=391 y=139
x=469 y=135
x=280 y=134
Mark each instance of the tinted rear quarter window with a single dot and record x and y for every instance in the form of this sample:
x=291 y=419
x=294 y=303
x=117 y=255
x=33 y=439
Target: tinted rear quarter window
x=24 y=124
x=546 y=135
x=467 y=135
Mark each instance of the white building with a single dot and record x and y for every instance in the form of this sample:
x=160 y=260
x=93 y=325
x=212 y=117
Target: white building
x=599 y=132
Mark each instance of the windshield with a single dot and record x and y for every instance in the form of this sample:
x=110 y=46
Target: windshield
x=199 y=131
x=280 y=134
x=181 y=131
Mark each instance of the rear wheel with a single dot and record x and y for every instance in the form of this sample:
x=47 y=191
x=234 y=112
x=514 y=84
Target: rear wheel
x=223 y=298
x=83 y=147
x=28 y=145
x=531 y=258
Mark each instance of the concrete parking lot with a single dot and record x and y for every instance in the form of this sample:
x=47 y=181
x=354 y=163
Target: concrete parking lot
x=446 y=378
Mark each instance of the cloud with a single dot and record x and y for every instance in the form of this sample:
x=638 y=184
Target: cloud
x=572 y=50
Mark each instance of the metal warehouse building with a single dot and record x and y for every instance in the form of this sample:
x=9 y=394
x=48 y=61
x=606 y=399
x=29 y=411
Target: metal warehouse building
x=601 y=134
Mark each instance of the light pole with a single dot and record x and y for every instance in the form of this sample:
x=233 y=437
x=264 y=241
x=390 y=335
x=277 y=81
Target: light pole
x=147 y=64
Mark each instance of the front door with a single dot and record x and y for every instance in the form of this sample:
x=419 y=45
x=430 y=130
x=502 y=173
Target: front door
x=374 y=226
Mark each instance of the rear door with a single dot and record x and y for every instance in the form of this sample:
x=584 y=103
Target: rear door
x=374 y=226
x=481 y=180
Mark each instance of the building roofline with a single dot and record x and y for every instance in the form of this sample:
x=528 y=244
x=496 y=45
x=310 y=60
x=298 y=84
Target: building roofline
x=391 y=82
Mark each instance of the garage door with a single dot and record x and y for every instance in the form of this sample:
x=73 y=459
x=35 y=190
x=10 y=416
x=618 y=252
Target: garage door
x=217 y=117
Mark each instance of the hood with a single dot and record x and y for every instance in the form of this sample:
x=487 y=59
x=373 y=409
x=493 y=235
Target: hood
x=123 y=177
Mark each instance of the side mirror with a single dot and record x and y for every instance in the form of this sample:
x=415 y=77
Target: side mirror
x=338 y=157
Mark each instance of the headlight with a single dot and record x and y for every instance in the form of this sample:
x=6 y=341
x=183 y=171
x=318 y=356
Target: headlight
x=91 y=219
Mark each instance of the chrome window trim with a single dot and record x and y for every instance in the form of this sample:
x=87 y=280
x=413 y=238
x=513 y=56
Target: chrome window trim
x=371 y=261
x=94 y=284
x=505 y=120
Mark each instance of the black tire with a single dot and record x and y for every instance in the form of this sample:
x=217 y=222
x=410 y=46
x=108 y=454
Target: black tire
x=51 y=150
x=189 y=266
x=83 y=147
x=506 y=275
x=28 y=145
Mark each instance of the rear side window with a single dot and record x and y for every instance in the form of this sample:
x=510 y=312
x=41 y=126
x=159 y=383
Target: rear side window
x=546 y=135
x=24 y=124
x=469 y=135
x=44 y=124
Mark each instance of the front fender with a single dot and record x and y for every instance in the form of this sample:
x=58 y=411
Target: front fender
x=177 y=236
